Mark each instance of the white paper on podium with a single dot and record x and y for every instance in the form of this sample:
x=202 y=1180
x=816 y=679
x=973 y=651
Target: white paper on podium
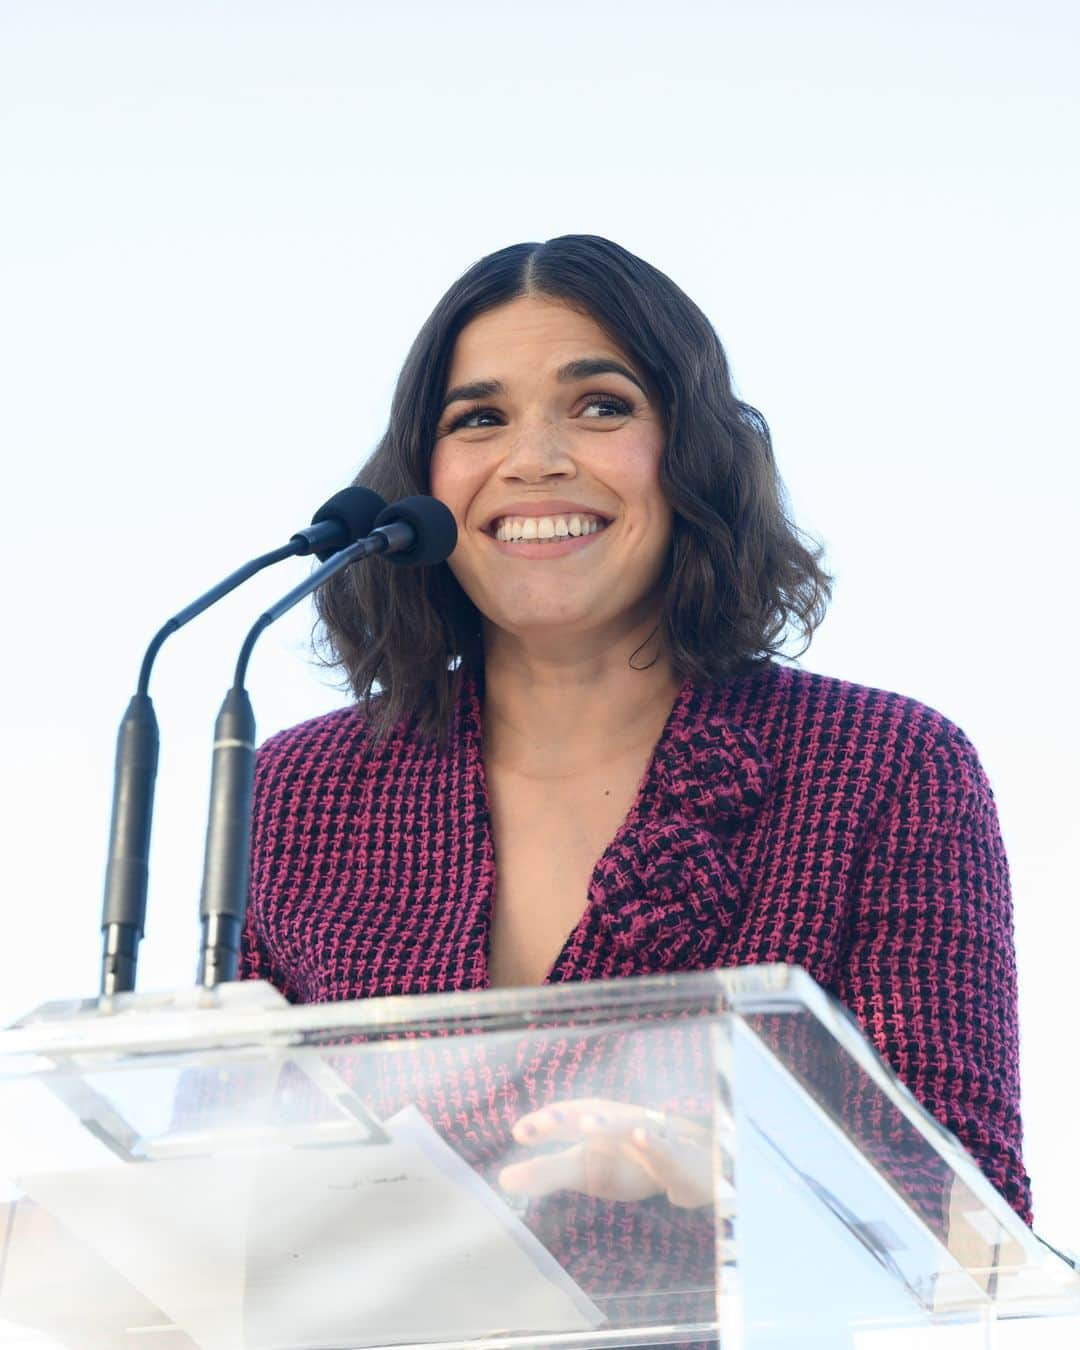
x=318 y=1247
x=412 y=1246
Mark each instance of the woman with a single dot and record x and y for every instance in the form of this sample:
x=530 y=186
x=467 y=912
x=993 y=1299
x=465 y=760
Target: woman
x=584 y=761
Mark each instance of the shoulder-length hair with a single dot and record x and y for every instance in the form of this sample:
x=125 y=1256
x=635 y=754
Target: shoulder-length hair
x=740 y=576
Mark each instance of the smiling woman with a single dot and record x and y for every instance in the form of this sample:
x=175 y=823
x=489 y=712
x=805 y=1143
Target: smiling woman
x=622 y=350
x=576 y=754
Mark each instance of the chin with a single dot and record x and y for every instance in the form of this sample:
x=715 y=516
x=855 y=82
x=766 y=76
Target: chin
x=538 y=619
x=557 y=622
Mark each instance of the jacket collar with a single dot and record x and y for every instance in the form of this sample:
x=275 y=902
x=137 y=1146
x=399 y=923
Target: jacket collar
x=708 y=769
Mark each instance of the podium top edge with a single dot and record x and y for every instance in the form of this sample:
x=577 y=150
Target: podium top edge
x=251 y=1012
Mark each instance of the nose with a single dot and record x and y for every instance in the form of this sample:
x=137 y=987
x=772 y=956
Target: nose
x=536 y=452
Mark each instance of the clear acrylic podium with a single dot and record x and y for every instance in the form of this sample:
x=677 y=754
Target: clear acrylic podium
x=226 y=1171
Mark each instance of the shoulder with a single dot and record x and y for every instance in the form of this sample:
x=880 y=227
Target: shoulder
x=345 y=731
x=340 y=745
x=806 y=723
x=776 y=699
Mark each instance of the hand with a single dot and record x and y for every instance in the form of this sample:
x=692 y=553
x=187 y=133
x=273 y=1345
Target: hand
x=616 y=1151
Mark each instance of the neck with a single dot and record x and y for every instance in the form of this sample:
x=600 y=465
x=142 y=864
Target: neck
x=553 y=713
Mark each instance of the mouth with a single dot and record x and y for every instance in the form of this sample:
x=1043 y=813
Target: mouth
x=556 y=528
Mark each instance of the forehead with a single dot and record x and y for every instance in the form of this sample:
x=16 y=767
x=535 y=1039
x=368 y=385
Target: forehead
x=533 y=332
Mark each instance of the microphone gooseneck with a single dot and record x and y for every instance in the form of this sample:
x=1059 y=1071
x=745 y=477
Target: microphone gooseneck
x=347 y=516
x=415 y=531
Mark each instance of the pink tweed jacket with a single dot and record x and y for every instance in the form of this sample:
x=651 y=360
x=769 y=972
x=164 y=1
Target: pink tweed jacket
x=784 y=817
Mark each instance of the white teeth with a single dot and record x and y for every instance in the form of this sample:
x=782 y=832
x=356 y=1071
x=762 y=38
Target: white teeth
x=517 y=528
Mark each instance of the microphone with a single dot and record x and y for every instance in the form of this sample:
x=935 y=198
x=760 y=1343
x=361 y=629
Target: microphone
x=417 y=531
x=347 y=516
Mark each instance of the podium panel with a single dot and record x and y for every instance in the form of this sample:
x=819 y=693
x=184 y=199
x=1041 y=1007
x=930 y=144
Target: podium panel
x=711 y=1159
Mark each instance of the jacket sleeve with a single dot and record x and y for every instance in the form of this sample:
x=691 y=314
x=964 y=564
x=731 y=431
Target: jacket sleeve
x=931 y=967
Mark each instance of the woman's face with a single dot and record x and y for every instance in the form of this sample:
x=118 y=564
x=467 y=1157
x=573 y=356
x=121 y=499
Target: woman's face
x=548 y=453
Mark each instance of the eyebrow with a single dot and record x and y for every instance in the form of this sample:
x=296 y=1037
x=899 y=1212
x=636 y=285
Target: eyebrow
x=469 y=393
x=583 y=369
x=589 y=366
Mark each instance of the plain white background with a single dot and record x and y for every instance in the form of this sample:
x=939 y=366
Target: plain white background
x=222 y=223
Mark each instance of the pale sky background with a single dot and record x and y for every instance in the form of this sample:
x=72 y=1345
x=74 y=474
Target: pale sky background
x=222 y=223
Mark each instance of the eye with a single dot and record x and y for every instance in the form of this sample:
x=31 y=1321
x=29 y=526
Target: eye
x=475 y=418
x=605 y=405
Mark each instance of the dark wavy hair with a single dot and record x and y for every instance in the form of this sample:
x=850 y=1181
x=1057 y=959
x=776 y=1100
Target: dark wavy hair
x=740 y=576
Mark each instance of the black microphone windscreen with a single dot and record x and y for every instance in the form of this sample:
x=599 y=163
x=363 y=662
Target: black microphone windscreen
x=356 y=509
x=434 y=527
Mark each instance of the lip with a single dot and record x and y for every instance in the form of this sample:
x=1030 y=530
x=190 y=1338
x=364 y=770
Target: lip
x=547 y=506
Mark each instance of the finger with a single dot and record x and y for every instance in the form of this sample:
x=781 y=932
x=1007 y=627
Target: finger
x=562 y=1120
x=601 y=1124
x=685 y=1173
x=550 y=1172
x=606 y=1175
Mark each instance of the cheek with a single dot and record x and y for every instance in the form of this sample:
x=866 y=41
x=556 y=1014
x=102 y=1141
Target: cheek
x=655 y=515
x=449 y=481
x=437 y=475
x=455 y=482
x=633 y=473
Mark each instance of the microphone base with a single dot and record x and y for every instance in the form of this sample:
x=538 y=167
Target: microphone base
x=219 y=960
x=119 y=958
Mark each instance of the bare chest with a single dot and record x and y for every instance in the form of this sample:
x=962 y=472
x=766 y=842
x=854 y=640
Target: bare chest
x=548 y=837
